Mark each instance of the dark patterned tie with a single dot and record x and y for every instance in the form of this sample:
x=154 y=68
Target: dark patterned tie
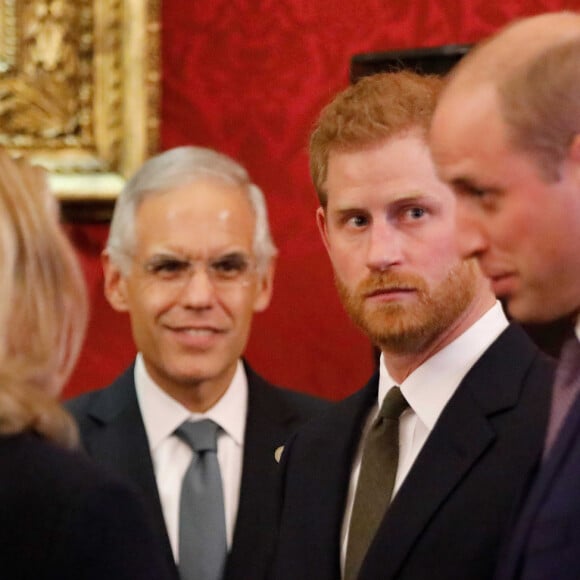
x=202 y=525
x=376 y=481
x=566 y=387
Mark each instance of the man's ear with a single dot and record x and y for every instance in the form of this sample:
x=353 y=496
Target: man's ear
x=265 y=287
x=323 y=227
x=115 y=284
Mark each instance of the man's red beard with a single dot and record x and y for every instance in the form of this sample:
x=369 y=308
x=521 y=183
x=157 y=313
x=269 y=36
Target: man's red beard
x=409 y=326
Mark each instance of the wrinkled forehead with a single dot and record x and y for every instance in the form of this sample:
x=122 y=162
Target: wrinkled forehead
x=203 y=218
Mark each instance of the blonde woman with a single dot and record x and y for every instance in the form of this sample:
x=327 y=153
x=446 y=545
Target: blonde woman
x=61 y=517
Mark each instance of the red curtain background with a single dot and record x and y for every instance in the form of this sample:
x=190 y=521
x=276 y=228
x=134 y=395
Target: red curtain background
x=248 y=77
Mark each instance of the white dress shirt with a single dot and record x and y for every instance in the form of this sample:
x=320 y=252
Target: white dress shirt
x=427 y=390
x=171 y=457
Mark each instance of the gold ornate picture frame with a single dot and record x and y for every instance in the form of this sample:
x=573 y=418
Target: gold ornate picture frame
x=79 y=93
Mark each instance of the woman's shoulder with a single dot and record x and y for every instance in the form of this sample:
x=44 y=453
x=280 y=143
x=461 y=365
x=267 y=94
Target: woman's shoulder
x=41 y=477
x=34 y=459
x=88 y=517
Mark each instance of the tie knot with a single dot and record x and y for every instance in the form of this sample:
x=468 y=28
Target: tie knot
x=199 y=435
x=394 y=404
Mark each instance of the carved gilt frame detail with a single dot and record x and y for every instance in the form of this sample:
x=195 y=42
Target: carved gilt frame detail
x=79 y=89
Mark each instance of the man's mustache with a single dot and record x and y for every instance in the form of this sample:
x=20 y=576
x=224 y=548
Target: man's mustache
x=389 y=281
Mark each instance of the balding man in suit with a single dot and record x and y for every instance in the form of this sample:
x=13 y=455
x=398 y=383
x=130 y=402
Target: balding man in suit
x=506 y=137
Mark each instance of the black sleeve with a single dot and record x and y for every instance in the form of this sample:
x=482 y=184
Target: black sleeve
x=107 y=536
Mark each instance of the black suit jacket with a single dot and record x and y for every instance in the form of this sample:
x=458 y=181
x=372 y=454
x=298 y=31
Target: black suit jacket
x=113 y=433
x=447 y=520
x=62 y=518
x=545 y=543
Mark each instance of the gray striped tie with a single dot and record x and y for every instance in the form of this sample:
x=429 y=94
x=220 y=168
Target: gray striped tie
x=202 y=526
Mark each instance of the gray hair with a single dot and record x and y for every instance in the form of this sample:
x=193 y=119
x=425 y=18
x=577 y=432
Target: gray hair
x=175 y=168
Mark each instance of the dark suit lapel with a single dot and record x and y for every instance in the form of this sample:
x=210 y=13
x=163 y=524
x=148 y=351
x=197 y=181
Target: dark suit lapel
x=268 y=426
x=317 y=480
x=121 y=443
x=461 y=436
x=539 y=491
x=332 y=454
x=253 y=526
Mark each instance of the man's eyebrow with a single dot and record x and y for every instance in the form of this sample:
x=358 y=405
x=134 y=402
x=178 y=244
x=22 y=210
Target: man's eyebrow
x=468 y=186
x=461 y=182
x=166 y=256
x=343 y=214
x=405 y=197
x=347 y=209
x=162 y=257
x=412 y=196
x=466 y=182
x=231 y=253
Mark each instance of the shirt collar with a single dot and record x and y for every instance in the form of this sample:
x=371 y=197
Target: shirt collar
x=577 y=328
x=162 y=414
x=429 y=387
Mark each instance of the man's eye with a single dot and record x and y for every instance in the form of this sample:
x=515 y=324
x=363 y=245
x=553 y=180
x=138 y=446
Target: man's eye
x=230 y=266
x=469 y=190
x=358 y=221
x=475 y=192
x=415 y=212
x=167 y=267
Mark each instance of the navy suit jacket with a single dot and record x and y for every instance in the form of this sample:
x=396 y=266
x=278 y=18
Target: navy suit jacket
x=113 y=433
x=545 y=543
x=62 y=518
x=447 y=520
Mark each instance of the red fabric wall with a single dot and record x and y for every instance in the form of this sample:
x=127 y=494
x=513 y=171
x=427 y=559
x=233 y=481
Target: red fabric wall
x=249 y=77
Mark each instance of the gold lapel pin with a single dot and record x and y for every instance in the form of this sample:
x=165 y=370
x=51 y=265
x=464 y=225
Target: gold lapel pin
x=278 y=453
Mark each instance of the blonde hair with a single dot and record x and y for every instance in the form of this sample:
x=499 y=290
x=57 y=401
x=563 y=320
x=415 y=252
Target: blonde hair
x=43 y=306
x=376 y=108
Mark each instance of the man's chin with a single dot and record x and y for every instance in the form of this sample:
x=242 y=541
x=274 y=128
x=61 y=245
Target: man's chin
x=410 y=343
x=534 y=311
x=402 y=336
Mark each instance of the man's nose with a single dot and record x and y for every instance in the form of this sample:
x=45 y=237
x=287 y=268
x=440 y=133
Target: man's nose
x=384 y=246
x=472 y=238
x=199 y=289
